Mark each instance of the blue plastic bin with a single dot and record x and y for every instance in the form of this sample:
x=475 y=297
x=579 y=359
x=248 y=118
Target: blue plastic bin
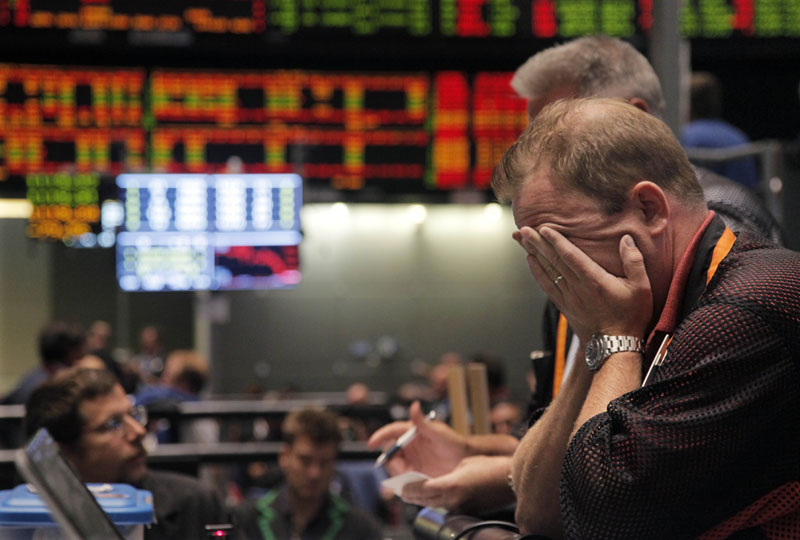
x=25 y=516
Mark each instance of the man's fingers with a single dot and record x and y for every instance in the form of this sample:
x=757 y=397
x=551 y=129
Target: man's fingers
x=415 y=490
x=632 y=261
x=542 y=277
x=571 y=262
x=416 y=414
x=415 y=493
x=391 y=432
x=535 y=245
x=430 y=492
x=544 y=253
x=551 y=247
x=387 y=434
x=397 y=465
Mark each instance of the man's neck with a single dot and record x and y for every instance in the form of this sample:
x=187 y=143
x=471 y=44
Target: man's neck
x=682 y=237
x=686 y=223
x=303 y=511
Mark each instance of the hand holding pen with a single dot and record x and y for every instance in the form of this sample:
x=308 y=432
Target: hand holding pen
x=436 y=450
x=402 y=441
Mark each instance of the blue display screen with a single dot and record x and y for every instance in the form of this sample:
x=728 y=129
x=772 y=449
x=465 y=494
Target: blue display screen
x=209 y=232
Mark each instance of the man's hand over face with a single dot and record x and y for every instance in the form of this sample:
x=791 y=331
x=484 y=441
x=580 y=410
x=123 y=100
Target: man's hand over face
x=592 y=299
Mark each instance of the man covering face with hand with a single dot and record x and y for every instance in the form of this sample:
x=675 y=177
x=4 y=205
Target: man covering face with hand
x=681 y=421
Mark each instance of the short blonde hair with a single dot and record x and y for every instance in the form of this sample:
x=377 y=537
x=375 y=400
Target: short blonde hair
x=601 y=147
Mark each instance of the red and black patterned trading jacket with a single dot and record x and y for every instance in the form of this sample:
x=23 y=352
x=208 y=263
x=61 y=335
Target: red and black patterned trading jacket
x=711 y=445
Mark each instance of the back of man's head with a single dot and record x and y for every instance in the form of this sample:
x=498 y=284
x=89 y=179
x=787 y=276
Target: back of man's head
x=55 y=404
x=186 y=370
x=596 y=66
x=706 y=96
x=600 y=147
x=319 y=426
x=61 y=342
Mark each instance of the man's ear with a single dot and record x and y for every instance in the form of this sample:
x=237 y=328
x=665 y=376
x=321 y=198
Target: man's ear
x=72 y=453
x=650 y=202
x=67 y=449
x=283 y=455
x=639 y=103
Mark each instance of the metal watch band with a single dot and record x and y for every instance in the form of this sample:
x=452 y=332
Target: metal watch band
x=623 y=344
x=600 y=347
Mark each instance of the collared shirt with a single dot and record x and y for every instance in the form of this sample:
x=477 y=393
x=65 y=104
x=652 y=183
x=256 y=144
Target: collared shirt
x=709 y=446
x=686 y=286
x=182 y=506
x=710 y=245
x=270 y=518
x=691 y=276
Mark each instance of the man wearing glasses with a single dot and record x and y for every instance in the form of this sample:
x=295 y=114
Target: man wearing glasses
x=89 y=415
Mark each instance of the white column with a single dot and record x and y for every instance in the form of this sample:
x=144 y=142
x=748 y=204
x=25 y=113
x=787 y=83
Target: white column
x=25 y=299
x=670 y=56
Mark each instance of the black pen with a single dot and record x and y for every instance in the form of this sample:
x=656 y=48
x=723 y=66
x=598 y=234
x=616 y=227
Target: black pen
x=401 y=442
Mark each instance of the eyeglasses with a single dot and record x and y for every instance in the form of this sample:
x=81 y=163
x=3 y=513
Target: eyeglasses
x=116 y=424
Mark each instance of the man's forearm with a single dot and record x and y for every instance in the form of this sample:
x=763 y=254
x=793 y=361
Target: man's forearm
x=490 y=491
x=536 y=467
x=619 y=375
x=492 y=445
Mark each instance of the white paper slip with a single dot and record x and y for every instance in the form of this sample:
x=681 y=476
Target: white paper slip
x=396 y=483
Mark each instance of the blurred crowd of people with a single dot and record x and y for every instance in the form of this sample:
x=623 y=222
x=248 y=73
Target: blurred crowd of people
x=156 y=381
x=95 y=401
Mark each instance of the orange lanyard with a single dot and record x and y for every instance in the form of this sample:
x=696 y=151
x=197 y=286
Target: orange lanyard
x=561 y=354
x=721 y=250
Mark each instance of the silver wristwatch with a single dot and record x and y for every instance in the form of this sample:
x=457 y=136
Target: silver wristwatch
x=601 y=347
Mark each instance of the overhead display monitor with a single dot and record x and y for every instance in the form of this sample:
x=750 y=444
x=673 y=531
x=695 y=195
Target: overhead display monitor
x=715 y=19
x=209 y=232
x=181 y=23
x=184 y=24
x=80 y=209
x=390 y=133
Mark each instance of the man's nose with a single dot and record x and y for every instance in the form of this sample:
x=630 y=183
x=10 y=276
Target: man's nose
x=315 y=470
x=133 y=429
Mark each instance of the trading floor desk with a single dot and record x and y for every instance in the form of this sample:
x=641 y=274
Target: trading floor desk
x=243 y=408
x=187 y=457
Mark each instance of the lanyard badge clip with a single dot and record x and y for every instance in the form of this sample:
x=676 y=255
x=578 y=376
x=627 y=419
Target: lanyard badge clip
x=661 y=355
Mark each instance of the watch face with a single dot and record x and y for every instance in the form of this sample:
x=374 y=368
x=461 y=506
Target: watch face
x=594 y=352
